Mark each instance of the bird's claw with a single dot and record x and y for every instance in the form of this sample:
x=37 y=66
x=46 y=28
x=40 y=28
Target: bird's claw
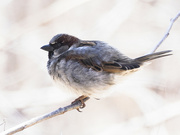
x=80 y=99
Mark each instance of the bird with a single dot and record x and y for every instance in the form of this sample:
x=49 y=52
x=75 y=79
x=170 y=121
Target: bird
x=90 y=67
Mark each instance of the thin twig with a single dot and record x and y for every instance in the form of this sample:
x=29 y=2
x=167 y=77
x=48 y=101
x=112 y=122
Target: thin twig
x=41 y=118
x=4 y=124
x=166 y=34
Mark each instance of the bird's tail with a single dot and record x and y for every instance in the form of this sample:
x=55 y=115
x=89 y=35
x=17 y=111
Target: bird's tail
x=153 y=56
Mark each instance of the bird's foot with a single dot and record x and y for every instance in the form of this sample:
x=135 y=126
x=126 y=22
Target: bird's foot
x=80 y=99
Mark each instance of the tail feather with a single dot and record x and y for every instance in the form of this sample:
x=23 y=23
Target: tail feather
x=153 y=56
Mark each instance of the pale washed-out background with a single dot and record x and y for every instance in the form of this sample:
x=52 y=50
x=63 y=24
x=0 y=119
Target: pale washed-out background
x=147 y=103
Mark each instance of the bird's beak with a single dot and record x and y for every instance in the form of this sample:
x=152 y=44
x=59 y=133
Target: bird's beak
x=47 y=48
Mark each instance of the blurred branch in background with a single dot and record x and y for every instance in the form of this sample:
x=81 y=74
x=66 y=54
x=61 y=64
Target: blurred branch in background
x=149 y=120
x=3 y=124
x=33 y=21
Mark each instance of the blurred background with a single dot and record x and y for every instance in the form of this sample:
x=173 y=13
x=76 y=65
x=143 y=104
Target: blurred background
x=146 y=103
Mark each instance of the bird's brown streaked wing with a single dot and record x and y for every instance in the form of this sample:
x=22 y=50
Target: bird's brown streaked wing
x=95 y=63
x=89 y=62
x=115 y=67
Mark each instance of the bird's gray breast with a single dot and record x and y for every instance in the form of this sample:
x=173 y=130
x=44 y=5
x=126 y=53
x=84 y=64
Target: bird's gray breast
x=83 y=80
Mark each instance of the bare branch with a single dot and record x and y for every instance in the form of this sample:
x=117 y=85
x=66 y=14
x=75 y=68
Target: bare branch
x=166 y=34
x=41 y=118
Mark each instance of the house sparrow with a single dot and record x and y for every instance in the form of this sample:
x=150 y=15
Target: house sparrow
x=87 y=67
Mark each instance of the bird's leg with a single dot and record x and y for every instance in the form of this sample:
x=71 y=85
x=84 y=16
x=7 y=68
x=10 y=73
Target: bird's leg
x=80 y=99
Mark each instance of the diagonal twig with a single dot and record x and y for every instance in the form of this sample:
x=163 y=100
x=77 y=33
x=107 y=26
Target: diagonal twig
x=41 y=118
x=166 y=34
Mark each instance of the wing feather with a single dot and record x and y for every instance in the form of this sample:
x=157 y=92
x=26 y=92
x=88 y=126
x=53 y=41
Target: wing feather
x=88 y=58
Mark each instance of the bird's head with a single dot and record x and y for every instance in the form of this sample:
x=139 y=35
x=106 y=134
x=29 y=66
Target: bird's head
x=60 y=43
